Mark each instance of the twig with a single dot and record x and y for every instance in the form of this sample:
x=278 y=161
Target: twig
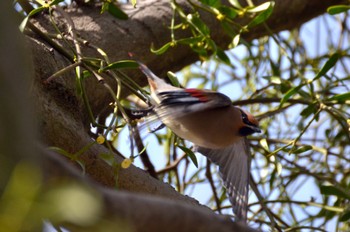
x=176 y=171
x=269 y=100
x=71 y=31
x=211 y=182
x=143 y=153
x=172 y=166
x=62 y=71
x=263 y=205
x=273 y=112
x=48 y=40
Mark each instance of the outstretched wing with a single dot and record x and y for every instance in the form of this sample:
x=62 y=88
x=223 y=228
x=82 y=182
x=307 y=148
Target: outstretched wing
x=185 y=101
x=234 y=168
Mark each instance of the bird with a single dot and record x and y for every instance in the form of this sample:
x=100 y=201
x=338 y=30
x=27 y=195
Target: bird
x=216 y=127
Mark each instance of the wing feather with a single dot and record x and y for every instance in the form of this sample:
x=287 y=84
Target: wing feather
x=175 y=104
x=234 y=168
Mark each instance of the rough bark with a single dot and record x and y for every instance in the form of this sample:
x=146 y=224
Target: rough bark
x=143 y=212
x=62 y=119
x=149 y=25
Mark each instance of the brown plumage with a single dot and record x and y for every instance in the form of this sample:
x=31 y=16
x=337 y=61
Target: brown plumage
x=216 y=127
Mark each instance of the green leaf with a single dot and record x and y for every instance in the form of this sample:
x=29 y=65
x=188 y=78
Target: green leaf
x=82 y=165
x=345 y=216
x=337 y=9
x=310 y=109
x=99 y=50
x=273 y=176
x=210 y=45
x=37 y=10
x=114 y=10
x=285 y=86
x=190 y=154
x=86 y=74
x=260 y=8
x=191 y=40
x=173 y=79
x=340 y=97
x=198 y=24
x=62 y=152
x=227 y=27
x=276 y=71
x=279 y=168
x=84 y=149
x=263 y=16
x=121 y=64
x=213 y=3
x=335 y=191
x=290 y=93
x=23 y=24
x=235 y=41
x=276 y=80
x=104 y=7
x=264 y=144
x=222 y=56
x=228 y=11
x=236 y=4
x=327 y=66
x=161 y=50
x=302 y=149
x=304 y=94
x=25 y=20
x=108 y=158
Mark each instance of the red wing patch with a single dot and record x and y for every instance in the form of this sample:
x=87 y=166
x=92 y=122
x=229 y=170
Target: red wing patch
x=198 y=94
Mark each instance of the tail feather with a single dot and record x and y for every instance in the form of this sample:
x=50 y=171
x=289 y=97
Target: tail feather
x=147 y=71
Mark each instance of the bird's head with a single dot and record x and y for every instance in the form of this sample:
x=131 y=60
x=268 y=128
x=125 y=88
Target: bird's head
x=249 y=124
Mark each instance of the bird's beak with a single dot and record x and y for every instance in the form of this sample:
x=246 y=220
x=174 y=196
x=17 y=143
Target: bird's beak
x=248 y=130
x=256 y=129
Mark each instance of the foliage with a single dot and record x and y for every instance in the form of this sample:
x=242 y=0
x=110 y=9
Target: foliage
x=299 y=91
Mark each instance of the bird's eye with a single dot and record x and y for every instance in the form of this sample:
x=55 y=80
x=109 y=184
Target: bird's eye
x=250 y=126
x=245 y=119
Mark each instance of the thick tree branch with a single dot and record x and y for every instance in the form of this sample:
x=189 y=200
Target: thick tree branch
x=143 y=212
x=145 y=27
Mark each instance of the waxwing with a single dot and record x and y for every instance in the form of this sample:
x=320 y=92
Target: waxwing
x=216 y=128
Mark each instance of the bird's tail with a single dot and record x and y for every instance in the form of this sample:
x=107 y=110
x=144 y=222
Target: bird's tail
x=147 y=71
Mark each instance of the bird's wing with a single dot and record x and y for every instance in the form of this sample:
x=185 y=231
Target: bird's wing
x=234 y=168
x=186 y=101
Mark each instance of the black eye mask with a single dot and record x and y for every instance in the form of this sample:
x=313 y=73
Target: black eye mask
x=249 y=127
